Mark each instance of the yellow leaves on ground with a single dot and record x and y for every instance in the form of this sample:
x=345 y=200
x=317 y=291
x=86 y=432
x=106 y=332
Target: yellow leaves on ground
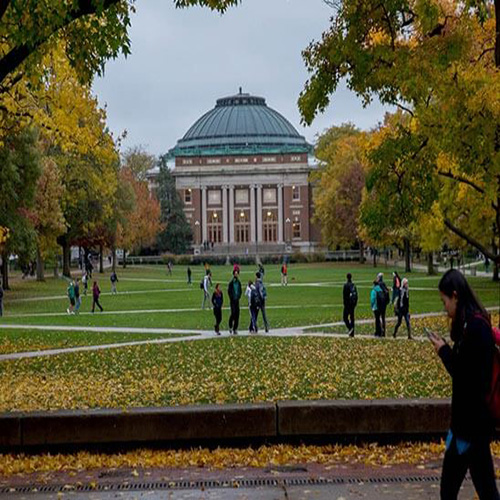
x=264 y=456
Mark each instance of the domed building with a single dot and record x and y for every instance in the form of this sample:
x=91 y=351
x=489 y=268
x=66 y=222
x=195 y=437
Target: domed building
x=242 y=171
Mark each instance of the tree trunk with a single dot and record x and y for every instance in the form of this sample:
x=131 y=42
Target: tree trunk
x=66 y=259
x=5 y=271
x=430 y=264
x=56 y=267
x=113 y=254
x=101 y=262
x=124 y=258
x=407 y=255
x=361 y=252
x=40 y=265
x=374 y=257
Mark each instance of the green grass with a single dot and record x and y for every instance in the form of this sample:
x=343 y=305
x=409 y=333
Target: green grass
x=21 y=340
x=314 y=296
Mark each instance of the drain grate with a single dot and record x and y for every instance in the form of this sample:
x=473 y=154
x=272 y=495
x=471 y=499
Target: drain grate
x=214 y=484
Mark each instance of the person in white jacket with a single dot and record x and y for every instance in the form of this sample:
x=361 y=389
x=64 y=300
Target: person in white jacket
x=206 y=289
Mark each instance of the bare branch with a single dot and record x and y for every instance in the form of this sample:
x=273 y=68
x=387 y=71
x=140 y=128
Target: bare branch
x=459 y=178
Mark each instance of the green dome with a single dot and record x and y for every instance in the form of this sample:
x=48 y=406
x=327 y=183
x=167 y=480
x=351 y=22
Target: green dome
x=241 y=124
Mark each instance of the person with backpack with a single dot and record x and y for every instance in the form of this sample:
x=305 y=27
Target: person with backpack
x=383 y=300
x=261 y=299
x=234 y=293
x=252 y=296
x=375 y=303
x=396 y=287
x=217 y=302
x=284 y=274
x=350 y=295
x=96 y=293
x=472 y=363
x=71 y=296
x=403 y=308
x=114 y=280
x=78 y=299
x=205 y=286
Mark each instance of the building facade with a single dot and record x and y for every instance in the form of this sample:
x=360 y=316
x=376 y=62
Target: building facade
x=242 y=172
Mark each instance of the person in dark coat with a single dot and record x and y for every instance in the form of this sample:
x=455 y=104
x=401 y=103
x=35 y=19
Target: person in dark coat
x=234 y=293
x=470 y=364
x=96 y=293
x=350 y=296
x=382 y=306
x=403 y=308
x=396 y=288
x=217 y=301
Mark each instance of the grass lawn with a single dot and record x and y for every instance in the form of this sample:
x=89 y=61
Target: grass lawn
x=216 y=370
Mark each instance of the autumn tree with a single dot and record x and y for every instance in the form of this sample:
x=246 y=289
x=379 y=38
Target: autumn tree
x=176 y=237
x=20 y=169
x=439 y=61
x=340 y=181
x=138 y=161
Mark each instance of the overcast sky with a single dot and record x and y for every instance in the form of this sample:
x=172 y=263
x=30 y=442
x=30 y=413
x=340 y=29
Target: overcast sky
x=183 y=60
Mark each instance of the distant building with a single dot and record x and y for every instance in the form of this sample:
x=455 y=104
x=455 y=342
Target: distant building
x=242 y=171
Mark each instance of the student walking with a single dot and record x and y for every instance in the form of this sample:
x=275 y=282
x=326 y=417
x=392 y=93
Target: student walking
x=261 y=300
x=96 y=293
x=375 y=302
x=284 y=274
x=234 y=293
x=470 y=363
x=350 y=296
x=169 y=268
x=383 y=301
x=253 y=317
x=189 y=276
x=78 y=299
x=217 y=302
x=403 y=308
x=1 y=300
x=396 y=287
x=114 y=280
x=71 y=296
x=85 y=281
x=205 y=286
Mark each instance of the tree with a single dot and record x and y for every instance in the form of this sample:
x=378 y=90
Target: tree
x=141 y=225
x=176 y=236
x=341 y=179
x=138 y=161
x=439 y=61
x=20 y=168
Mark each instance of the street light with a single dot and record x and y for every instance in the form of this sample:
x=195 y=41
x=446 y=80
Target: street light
x=287 y=223
x=197 y=225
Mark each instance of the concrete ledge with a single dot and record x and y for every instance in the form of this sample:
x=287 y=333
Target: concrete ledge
x=221 y=424
x=340 y=418
x=187 y=423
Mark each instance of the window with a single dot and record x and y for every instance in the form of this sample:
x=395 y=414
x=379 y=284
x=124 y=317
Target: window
x=214 y=228
x=295 y=193
x=296 y=230
x=214 y=197
x=270 y=227
x=269 y=195
x=242 y=228
x=241 y=196
x=188 y=196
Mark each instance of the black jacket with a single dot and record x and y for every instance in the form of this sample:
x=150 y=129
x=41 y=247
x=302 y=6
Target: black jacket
x=470 y=364
x=217 y=300
x=347 y=294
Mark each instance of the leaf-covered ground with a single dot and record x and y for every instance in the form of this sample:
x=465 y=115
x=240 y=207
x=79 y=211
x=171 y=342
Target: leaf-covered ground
x=226 y=370
x=373 y=455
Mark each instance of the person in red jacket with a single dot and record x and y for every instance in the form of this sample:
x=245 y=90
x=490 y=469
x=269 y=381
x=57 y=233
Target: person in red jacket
x=470 y=364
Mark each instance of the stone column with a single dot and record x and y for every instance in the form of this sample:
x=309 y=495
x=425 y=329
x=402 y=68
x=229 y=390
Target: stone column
x=224 y=215
x=259 y=213
x=231 y=214
x=252 y=214
x=204 y=231
x=280 y=213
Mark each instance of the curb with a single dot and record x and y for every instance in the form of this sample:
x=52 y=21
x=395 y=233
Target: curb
x=284 y=421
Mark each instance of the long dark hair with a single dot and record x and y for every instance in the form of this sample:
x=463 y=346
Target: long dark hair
x=468 y=304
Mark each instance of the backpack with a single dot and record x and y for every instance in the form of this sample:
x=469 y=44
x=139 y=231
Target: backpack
x=384 y=296
x=202 y=286
x=353 y=295
x=254 y=298
x=264 y=292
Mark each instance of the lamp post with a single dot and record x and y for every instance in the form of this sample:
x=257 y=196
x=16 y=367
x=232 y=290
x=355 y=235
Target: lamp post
x=287 y=231
x=197 y=231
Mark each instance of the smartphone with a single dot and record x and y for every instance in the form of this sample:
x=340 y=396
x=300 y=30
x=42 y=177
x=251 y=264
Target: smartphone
x=430 y=334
